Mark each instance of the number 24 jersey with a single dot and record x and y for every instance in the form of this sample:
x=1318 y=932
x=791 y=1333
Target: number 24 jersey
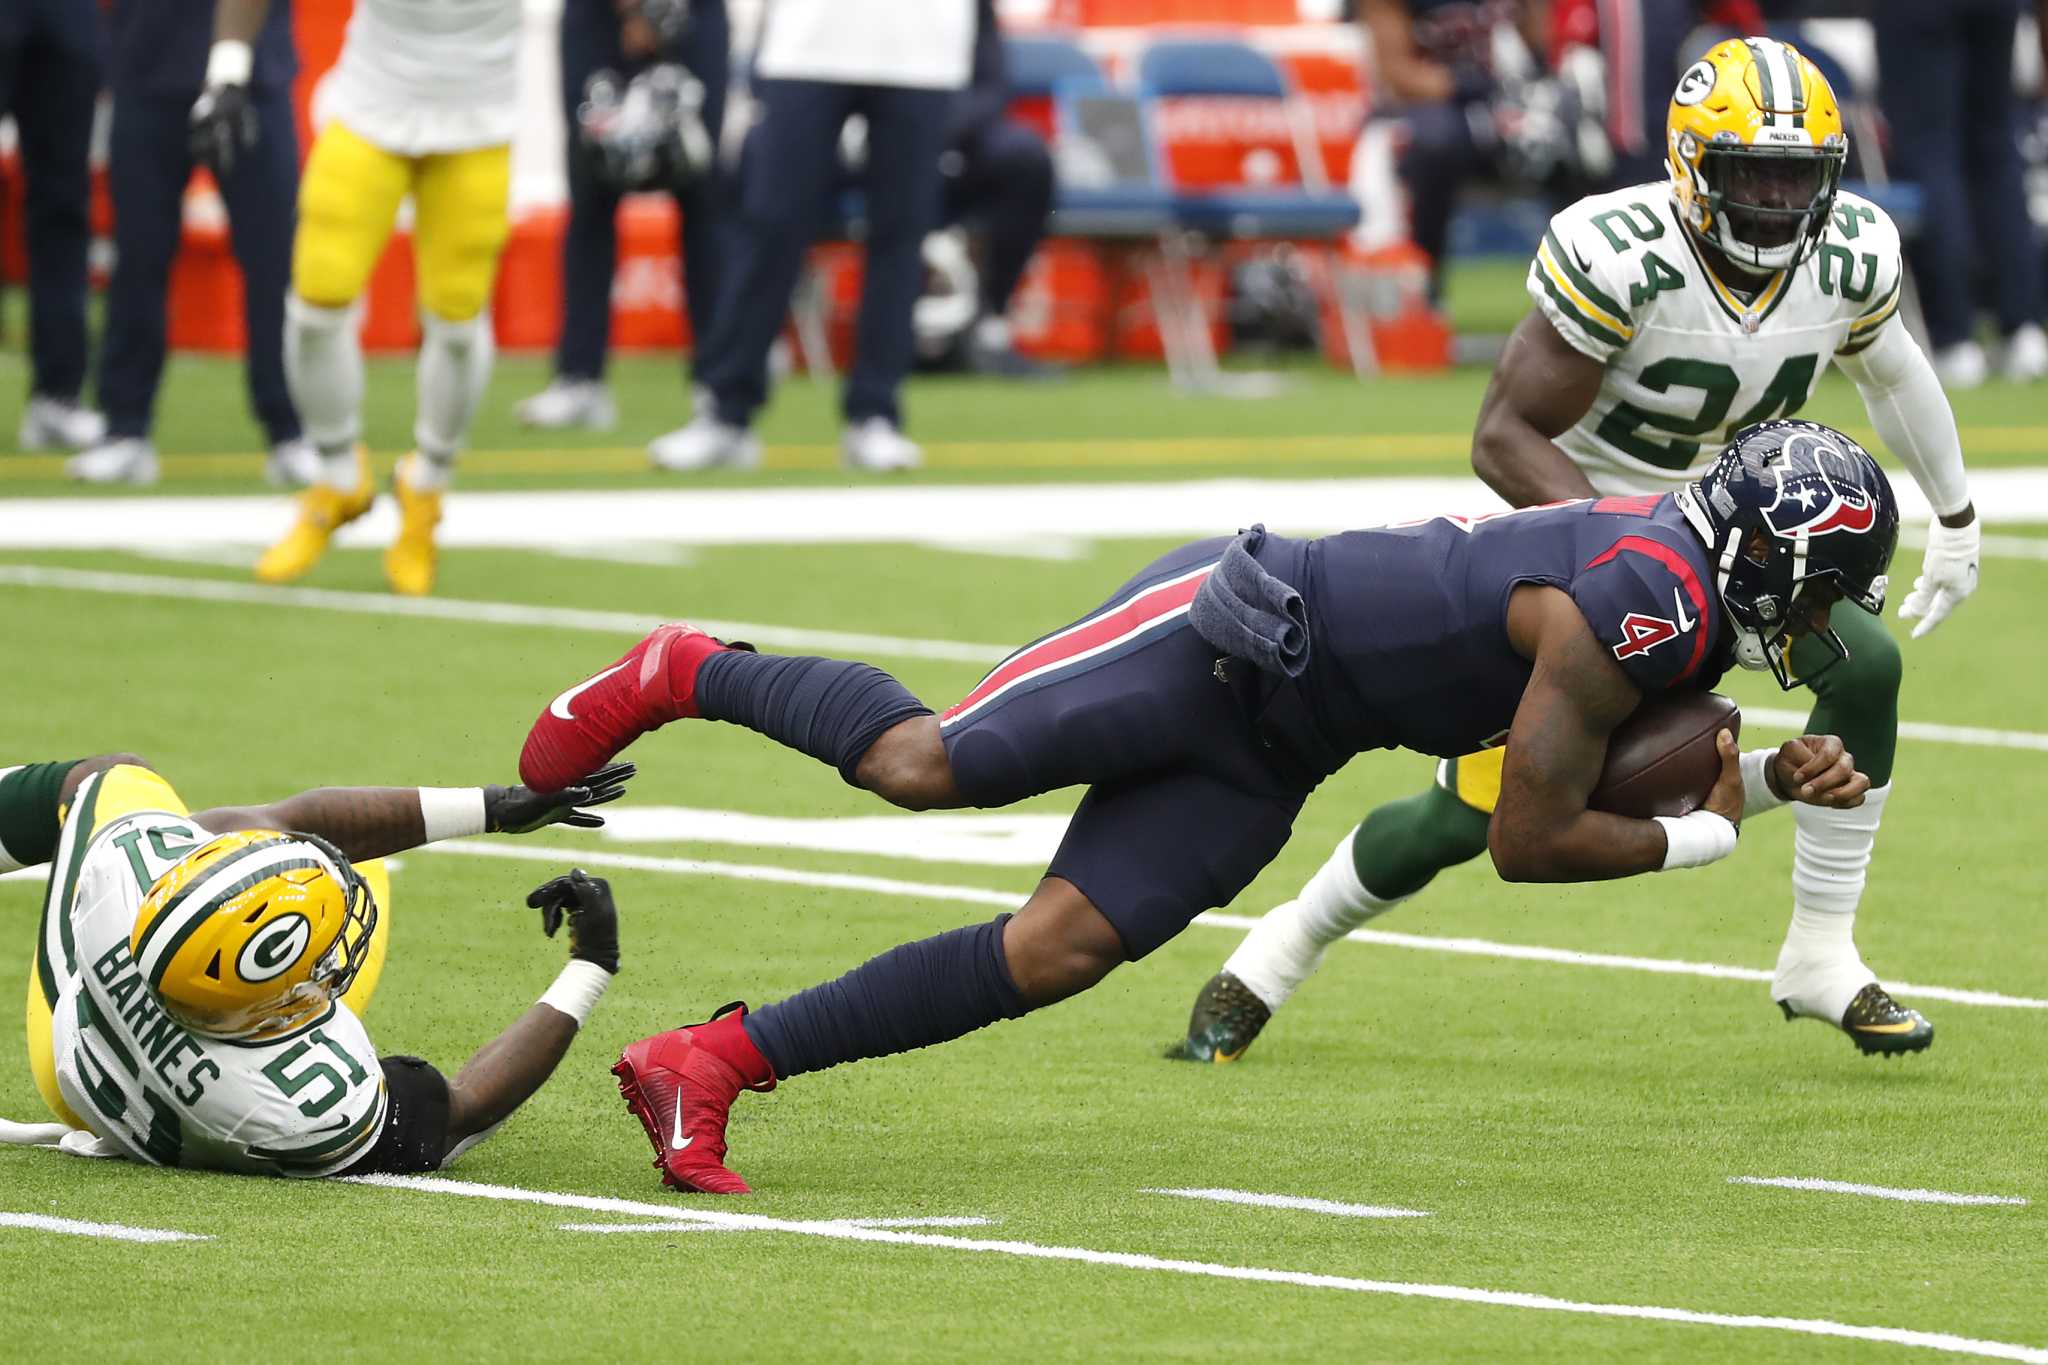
x=1688 y=360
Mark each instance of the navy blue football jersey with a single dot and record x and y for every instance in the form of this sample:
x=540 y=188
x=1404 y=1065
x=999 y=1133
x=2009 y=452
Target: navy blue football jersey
x=1408 y=624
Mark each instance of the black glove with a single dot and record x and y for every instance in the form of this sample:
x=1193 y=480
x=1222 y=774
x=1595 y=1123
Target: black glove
x=593 y=919
x=223 y=127
x=518 y=810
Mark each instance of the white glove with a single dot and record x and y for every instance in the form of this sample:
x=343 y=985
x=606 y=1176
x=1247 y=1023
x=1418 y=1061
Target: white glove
x=1948 y=574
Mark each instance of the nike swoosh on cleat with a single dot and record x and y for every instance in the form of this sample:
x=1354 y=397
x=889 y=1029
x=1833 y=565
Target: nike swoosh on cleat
x=1906 y=1027
x=559 y=707
x=679 y=1142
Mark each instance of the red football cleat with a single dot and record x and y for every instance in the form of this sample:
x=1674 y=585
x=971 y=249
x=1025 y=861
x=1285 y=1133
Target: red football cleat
x=655 y=683
x=681 y=1085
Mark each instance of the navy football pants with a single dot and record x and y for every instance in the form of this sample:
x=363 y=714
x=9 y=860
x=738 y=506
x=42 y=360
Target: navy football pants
x=1185 y=804
x=150 y=159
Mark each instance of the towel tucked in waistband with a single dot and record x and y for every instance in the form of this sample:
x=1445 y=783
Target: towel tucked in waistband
x=1248 y=614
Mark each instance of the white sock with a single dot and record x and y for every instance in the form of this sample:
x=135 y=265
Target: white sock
x=455 y=364
x=992 y=332
x=426 y=473
x=1285 y=948
x=1831 y=852
x=323 y=368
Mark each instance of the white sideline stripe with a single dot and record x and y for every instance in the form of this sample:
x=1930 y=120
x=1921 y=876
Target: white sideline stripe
x=673 y=1225
x=1793 y=1182
x=1914 y=729
x=628 y=624
x=116 y=1232
x=975 y=895
x=622 y=623
x=1992 y=546
x=747 y=872
x=829 y=515
x=1291 y=1201
x=1126 y=1260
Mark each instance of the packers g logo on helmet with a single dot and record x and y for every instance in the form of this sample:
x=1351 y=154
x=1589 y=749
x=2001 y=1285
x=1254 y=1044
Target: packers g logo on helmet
x=1755 y=150
x=253 y=934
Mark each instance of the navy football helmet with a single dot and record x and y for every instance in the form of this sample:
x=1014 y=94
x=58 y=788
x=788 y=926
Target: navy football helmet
x=1797 y=515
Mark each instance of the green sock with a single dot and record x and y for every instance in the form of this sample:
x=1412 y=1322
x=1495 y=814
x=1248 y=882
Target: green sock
x=28 y=813
x=1405 y=843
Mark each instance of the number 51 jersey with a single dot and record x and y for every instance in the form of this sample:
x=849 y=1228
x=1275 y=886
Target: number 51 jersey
x=303 y=1105
x=1688 y=360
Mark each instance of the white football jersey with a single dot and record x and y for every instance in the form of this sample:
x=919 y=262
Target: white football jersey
x=1688 y=361
x=303 y=1105
x=422 y=76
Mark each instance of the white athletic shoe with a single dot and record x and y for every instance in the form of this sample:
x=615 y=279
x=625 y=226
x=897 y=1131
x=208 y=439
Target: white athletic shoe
x=877 y=447
x=130 y=459
x=1818 y=984
x=1961 y=366
x=2026 y=355
x=292 y=464
x=62 y=424
x=568 y=403
x=706 y=443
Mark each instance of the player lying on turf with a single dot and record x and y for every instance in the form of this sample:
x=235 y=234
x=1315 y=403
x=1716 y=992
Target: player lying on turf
x=195 y=993
x=1742 y=275
x=1205 y=700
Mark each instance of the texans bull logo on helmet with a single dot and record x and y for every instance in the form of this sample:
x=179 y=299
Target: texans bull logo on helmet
x=1811 y=500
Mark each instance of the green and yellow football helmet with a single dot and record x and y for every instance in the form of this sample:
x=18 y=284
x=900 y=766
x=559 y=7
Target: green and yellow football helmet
x=1755 y=149
x=254 y=933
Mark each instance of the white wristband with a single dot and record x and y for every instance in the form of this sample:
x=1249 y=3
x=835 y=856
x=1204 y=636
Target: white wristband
x=451 y=812
x=230 y=63
x=1696 y=840
x=576 y=991
x=1757 y=795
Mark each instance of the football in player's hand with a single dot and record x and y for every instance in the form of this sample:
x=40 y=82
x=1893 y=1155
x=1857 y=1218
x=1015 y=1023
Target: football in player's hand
x=1662 y=759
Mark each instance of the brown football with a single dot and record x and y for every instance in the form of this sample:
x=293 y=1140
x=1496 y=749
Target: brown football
x=1662 y=761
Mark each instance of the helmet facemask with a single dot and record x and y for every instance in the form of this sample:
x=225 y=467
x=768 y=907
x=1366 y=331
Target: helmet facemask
x=1767 y=206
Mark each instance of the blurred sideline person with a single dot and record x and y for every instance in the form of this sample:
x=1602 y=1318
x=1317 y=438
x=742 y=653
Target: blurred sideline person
x=196 y=992
x=50 y=59
x=627 y=40
x=999 y=180
x=1641 y=47
x=1945 y=85
x=424 y=101
x=165 y=83
x=1465 y=98
x=817 y=63
x=1667 y=314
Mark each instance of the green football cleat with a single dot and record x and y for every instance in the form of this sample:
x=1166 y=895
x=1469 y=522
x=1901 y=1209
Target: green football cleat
x=1227 y=1017
x=1878 y=1024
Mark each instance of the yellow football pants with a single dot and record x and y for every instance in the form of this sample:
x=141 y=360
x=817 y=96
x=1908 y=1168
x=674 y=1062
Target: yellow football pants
x=122 y=791
x=1475 y=778
x=348 y=203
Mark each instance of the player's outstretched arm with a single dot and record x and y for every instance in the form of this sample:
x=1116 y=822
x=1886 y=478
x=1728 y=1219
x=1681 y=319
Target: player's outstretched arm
x=506 y=1071
x=1540 y=389
x=370 y=822
x=1911 y=413
x=1542 y=830
x=430 y=1119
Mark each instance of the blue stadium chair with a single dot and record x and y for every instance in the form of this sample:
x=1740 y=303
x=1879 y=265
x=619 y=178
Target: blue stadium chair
x=1308 y=210
x=1225 y=68
x=1132 y=204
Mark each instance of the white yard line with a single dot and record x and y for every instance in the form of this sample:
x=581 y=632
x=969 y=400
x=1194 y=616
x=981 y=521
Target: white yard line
x=1293 y=1201
x=975 y=895
x=1126 y=1260
x=626 y=625
x=1793 y=1182
x=674 y=1225
x=115 y=1232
